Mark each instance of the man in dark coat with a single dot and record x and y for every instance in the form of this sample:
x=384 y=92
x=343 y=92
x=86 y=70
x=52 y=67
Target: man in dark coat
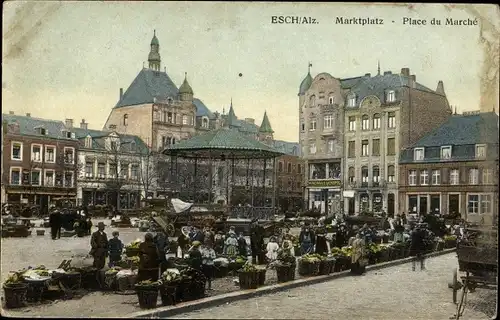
x=257 y=242
x=53 y=221
x=99 y=246
x=161 y=242
x=417 y=246
x=198 y=235
x=321 y=246
x=307 y=240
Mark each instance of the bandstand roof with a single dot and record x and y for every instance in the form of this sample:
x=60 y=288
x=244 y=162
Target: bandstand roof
x=222 y=143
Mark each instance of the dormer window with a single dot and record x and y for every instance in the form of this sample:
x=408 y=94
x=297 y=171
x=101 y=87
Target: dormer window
x=88 y=142
x=41 y=131
x=418 y=154
x=67 y=134
x=351 y=101
x=445 y=152
x=204 y=122
x=114 y=145
x=480 y=151
x=125 y=119
x=391 y=96
x=169 y=100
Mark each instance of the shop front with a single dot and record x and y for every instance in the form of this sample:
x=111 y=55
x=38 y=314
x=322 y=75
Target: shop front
x=93 y=197
x=423 y=203
x=324 y=195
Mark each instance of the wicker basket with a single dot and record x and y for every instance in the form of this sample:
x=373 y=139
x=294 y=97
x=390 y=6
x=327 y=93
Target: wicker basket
x=285 y=273
x=248 y=280
x=308 y=268
x=148 y=296
x=262 y=277
x=15 y=295
x=168 y=294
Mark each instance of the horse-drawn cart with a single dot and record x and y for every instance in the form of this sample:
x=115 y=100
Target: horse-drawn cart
x=478 y=258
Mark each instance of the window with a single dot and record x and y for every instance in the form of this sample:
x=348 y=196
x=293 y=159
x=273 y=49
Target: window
x=485 y=203
x=114 y=146
x=299 y=168
x=376 y=175
x=88 y=142
x=436 y=177
x=351 y=149
x=173 y=140
x=331 y=145
x=112 y=170
x=204 y=123
x=391 y=120
x=375 y=147
x=352 y=123
x=184 y=119
x=302 y=126
x=364 y=147
x=134 y=172
x=480 y=151
x=330 y=100
x=36 y=177
x=125 y=119
x=391 y=146
x=446 y=152
x=391 y=174
x=391 y=96
x=364 y=176
x=365 y=122
x=312 y=148
x=298 y=185
x=313 y=125
x=473 y=204
x=418 y=154
x=163 y=116
x=42 y=131
x=412 y=178
x=101 y=170
x=50 y=154
x=69 y=155
x=351 y=102
x=424 y=177
x=36 y=152
x=68 y=179
x=15 y=176
x=454 y=176
x=17 y=151
x=351 y=175
x=473 y=176
x=376 y=121
x=192 y=120
x=328 y=122
x=312 y=101
x=280 y=166
x=289 y=168
x=49 y=178
x=169 y=117
x=123 y=170
x=487 y=177
x=89 y=169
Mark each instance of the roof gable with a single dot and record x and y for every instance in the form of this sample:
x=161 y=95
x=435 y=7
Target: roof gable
x=98 y=140
x=29 y=126
x=147 y=86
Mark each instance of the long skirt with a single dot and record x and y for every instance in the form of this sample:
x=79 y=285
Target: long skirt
x=306 y=247
x=357 y=268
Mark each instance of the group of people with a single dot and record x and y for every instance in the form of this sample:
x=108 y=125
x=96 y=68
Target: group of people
x=71 y=219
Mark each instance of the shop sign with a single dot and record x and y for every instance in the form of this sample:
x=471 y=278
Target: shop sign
x=324 y=183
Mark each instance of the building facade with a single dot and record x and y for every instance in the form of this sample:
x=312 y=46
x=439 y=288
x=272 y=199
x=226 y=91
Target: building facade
x=112 y=168
x=321 y=111
x=454 y=170
x=39 y=161
x=290 y=181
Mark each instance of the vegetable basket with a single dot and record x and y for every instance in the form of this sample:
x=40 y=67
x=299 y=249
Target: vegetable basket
x=248 y=279
x=15 y=295
x=147 y=294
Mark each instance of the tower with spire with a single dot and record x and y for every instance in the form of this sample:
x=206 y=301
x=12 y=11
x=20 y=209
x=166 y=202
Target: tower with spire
x=185 y=90
x=154 y=58
x=265 y=130
x=305 y=85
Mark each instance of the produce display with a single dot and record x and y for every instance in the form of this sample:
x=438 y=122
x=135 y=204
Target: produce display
x=240 y=259
x=249 y=267
x=170 y=277
x=147 y=283
x=312 y=258
x=134 y=244
x=113 y=270
x=14 y=278
x=341 y=252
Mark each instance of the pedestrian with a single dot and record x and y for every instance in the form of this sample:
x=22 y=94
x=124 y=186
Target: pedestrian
x=231 y=245
x=219 y=240
x=358 y=255
x=272 y=249
x=183 y=241
x=242 y=245
x=195 y=257
x=257 y=242
x=306 y=240
x=160 y=241
x=208 y=257
x=115 y=249
x=59 y=222
x=321 y=246
x=198 y=235
x=99 y=246
x=89 y=226
x=417 y=247
x=149 y=262
x=53 y=224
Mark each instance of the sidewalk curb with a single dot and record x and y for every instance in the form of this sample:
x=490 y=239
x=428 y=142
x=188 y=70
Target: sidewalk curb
x=170 y=311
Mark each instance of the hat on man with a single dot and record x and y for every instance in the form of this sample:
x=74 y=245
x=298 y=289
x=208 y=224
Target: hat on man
x=101 y=224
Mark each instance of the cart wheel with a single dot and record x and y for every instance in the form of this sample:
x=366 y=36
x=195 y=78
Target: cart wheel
x=170 y=230
x=454 y=286
x=463 y=301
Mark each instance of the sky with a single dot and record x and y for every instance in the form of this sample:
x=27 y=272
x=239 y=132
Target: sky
x=69 y=59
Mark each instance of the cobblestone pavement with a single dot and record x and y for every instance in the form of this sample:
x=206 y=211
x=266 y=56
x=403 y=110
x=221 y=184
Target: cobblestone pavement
x=392 y=293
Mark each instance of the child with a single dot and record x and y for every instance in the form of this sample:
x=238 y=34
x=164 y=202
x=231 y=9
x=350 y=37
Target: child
x=272 y=249
x=207 y=267
x=115 y=248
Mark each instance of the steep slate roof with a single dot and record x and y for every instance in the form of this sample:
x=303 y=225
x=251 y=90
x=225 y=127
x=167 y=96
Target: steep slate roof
x=348 y=83
x=98 y=137
x=28 y=126
x=202 y=110
x=462 y=130
x=290 y=148
x=305 y=84
x=148 y=84
x=232 y=119
x=367 y=86
x=265 y=127
x=223 y=139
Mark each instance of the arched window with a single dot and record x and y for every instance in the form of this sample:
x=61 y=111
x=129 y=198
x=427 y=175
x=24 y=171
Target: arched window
x=391 y=174
x=204 y=123
x=352 y=175
x=289 y=167
x=312 y=101
x=376 y=175
x=280 y=166
x=376 y=121
x=351 y=100
x=365 y=122
x=125 y=119
x=364 y=175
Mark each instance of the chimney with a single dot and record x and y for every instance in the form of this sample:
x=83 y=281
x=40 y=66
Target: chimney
x=405 y=72
x=368 y=75
x=440 y=88
x=250 y=120
x=28 y=114
x=413 y=81
x=69 y=123
x=387 y=72
x=112 y=127
x=83 y=125
x=11 y=112
x=121 y=93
